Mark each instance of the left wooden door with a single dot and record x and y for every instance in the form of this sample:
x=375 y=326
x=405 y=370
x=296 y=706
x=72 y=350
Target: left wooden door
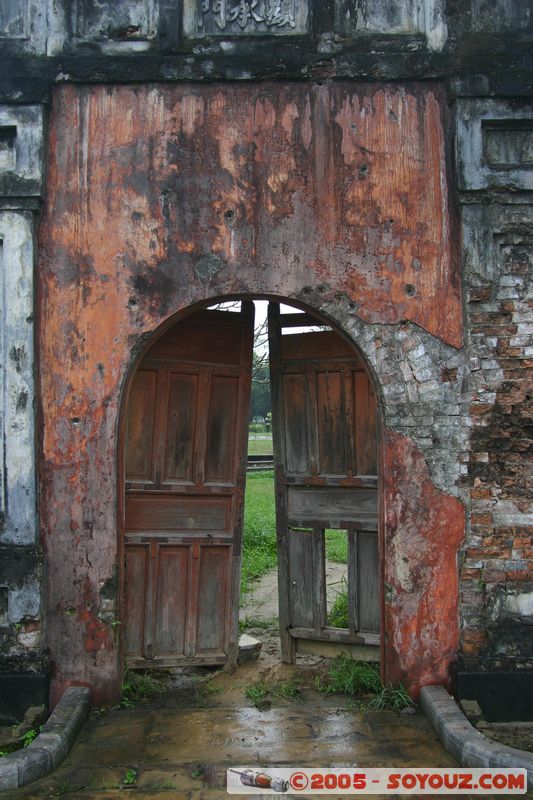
x=185 y=463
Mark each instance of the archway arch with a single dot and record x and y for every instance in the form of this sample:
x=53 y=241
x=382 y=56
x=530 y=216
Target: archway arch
x=187 y=550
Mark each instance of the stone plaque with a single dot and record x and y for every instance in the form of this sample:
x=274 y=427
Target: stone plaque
x=115 y=19
x=495 y=144
x=245 y=17
x=13 y=18
x=508 y=144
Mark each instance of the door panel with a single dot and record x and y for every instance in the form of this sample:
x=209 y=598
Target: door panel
x=330 y=423
x=325 y=448
x=213 y=590
x=172 y=591
x=148 y=511
x=307 y=579
x=140 y=426
x=221 y=427
x=294 y=423
x=136 y=583
x=181 y=427
x=185 y=451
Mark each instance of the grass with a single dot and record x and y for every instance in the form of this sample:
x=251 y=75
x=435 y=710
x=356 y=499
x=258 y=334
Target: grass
x=139 y=686
x=258 y=622
x=130 y=777
x=337 y=546
x=355 y=678
x=257 y=693
x=348 y=676
x=395 y=698
x=29 y=736
x=338 y=615
x=259 y=537
x=260 y=447
x=203 y=694
x=289 y=690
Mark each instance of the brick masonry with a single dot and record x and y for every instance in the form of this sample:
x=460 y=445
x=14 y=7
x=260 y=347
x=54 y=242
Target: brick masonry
x=497 y=560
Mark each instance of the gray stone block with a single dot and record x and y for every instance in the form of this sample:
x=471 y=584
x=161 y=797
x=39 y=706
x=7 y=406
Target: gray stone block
x=32 y=763
x=55 y=745
x=9 y=774
x=69 y=714
x=464 y=742
x=249 y=648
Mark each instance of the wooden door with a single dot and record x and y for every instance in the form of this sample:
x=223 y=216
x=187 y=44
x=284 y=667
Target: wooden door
x=324 y=426
x=185 y=457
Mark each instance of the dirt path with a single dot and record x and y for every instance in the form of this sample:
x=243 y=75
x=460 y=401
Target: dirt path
x=261 y=603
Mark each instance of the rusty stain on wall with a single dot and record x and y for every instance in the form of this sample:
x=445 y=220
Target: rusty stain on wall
x=162 y=196
x=424 y=529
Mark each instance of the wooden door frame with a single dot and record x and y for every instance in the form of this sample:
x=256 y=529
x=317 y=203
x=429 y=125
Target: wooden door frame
x=139 y=353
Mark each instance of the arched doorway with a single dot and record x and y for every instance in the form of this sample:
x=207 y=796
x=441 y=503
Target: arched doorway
x=185 y=437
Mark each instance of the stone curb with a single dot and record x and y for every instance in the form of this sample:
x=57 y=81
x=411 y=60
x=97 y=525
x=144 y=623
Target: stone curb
x=50 y=747
x=466 y=744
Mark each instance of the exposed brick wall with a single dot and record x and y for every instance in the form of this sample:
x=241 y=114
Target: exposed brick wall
x=497 y=566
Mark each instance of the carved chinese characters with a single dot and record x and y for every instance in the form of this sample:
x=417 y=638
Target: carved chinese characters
x=245 y=17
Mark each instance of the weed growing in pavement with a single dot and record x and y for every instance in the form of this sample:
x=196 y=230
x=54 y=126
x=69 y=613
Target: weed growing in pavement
x=198 y=771
x=29 y=736
x=351 y=677
x=257 y=692
x=256 y=622
x=139 y=686
x=130 y=777
x=348 y=676
x=289 y=690
x=395 y=698
x=65 y=787
x=205 y=691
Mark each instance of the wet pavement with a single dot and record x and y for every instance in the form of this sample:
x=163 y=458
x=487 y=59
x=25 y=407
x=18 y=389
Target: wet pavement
x=179 y=746
x=184 y=754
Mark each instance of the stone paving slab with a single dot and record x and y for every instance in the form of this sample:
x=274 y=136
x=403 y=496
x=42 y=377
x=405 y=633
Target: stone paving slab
x=190 y=748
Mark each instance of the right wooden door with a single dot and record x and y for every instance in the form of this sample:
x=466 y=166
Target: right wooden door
x=325 y=448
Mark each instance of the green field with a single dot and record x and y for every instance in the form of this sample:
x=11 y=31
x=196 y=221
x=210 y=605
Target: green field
x=337 y=546
x=259 y=447
x=259 y=540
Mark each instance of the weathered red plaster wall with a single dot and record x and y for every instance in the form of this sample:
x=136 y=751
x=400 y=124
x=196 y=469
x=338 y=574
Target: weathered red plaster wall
x=161 y=196
x=424 y=529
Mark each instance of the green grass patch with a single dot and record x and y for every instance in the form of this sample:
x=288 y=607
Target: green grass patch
x=139 y=686
x=338 y=615
x=259 y=536
x=360 y=678
x=29 y=736
x=257 y=693
x=395 y=698
x=260 y=447
x=348 y=676
x=337 y=546
x=289 y=690
x=130 y=777
x=258 y=622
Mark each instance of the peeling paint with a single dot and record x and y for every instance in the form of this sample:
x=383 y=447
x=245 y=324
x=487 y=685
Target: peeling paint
x=253 y=190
